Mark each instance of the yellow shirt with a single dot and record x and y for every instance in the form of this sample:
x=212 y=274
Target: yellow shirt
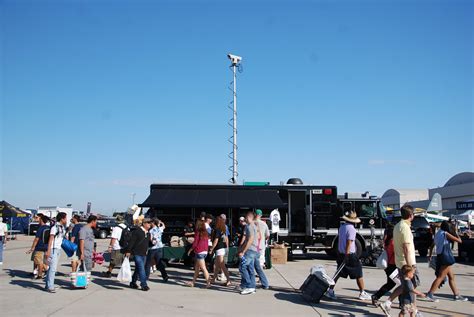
x=402 y=235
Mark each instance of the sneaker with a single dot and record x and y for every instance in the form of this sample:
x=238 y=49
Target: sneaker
x=385 y=307
x=51 y=290
x=364 y=295
x=1 y=263
x=266 y=287
x=133 y=285
x=430 y=298
x=459 y=298
x=165 y=279
x=375 y=300
x=330 y=294
x=247 y=291
x=145 y=288
x=107 y=274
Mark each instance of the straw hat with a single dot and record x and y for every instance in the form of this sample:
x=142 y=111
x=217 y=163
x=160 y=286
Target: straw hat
x=351 y=216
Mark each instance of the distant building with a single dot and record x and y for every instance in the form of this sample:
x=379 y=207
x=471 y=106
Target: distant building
x=395 y=198
x=458 y=189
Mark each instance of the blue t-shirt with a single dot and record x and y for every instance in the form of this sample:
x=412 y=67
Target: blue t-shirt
x=75 y=232
x=346 y=232
x=41 y=246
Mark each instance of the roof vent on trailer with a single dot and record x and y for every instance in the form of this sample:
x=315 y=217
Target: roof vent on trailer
x=294 y=181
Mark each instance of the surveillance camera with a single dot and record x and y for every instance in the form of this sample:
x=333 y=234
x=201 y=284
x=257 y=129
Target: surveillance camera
x=234 y=59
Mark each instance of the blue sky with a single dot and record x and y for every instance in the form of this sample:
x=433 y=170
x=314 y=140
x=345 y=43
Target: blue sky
x=101 y=98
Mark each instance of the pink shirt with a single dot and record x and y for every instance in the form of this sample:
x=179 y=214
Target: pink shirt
x=200 y=243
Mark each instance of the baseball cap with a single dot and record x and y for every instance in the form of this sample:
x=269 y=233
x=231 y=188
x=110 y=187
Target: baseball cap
x=258 y=212
x=241 y=219
x=223 y=216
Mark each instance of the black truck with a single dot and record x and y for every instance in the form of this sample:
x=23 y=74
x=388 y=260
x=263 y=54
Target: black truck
x=310 y=214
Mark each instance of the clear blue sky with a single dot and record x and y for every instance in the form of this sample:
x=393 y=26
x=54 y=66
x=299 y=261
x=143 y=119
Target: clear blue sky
x=101 y=98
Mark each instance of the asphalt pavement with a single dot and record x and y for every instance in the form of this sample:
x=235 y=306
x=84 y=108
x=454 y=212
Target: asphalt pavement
x=22 y=296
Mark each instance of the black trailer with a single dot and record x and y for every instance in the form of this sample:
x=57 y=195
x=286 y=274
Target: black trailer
x=310 y=214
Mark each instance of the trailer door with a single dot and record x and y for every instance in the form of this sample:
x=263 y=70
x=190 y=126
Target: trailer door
x=297 y=209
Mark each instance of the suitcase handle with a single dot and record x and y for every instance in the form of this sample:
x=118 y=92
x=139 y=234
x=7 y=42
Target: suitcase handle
x=339 y=270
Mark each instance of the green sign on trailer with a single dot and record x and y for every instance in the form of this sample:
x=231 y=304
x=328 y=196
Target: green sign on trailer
x=256 y=183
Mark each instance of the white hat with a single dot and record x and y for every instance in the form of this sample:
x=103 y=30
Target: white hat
x=351 y=216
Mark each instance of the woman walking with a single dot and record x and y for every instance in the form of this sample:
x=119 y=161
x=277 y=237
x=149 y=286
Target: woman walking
x=220 y=242
x=200 y=248
x=444 y=261
x=389 y=248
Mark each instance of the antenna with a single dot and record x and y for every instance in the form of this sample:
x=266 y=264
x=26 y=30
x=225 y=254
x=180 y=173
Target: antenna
x=235 y=60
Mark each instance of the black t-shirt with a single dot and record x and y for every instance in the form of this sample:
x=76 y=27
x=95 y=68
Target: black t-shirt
x=221 y=242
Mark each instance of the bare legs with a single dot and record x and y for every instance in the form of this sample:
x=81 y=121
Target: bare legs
x=219 y=266
x=200 y=265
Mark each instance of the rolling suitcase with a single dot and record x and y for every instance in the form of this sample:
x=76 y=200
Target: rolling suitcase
x=317 y=284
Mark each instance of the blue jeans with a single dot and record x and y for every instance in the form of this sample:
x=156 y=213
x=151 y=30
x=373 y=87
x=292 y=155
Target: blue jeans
x=247 y=270
x=156 y=254
x=139 y=270
x=260 y=273
x=53 y=266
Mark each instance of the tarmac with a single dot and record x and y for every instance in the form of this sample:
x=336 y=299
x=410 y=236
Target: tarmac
x=22 y=296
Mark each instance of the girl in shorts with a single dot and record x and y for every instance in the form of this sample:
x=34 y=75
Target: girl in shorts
x=220 y=243
x=200 y=248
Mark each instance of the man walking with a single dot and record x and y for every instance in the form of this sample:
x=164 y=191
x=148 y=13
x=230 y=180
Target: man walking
x=40 y=246
x=116 y=256
x=3 y=238
x=138 y=246
x=263 y=234
x=247 y=254
x=347 y=256
x=86 y=243
x=56 y=236
x=156 y=251
x=76 y=227
x=404 y=248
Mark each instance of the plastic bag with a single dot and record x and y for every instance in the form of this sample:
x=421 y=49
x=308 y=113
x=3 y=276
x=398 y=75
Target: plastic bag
x=320 y=271
x=125 y=273
x=382 y=260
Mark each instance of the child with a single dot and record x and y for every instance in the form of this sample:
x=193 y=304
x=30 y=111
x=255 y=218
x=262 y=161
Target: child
x=408 y=297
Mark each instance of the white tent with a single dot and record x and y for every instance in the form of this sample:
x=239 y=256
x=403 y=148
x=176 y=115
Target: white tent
x=467 y=216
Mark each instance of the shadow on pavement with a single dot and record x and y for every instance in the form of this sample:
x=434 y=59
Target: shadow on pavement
x=342 y=306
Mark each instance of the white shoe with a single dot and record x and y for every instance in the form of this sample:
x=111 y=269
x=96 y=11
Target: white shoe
x=330 y=294
x=364 y=296
x=385 y=307
x=247 y=291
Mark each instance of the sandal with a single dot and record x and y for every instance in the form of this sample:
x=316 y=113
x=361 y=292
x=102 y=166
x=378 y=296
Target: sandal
x=189 y=284
x=228 y=283
x=209 y=284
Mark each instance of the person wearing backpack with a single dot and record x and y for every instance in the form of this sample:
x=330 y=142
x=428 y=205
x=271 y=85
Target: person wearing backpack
x=40 y=246
x=116 y=255
x=74 y=237
x=56 y=236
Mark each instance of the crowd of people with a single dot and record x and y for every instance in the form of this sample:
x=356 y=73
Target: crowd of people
x=208 y=240
x=207 y=243
x=401 y=260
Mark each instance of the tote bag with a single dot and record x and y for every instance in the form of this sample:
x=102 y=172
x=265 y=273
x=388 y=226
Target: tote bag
x=382 y=260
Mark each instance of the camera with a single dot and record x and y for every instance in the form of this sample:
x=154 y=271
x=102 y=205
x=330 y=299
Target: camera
x=234 y=59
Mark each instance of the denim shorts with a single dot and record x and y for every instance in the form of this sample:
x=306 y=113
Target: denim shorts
x=200 y=256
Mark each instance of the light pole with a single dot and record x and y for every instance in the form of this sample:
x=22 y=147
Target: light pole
x=235 y=60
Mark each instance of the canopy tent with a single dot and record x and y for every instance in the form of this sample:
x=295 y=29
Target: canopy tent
x=17 y=218
x=467 y=216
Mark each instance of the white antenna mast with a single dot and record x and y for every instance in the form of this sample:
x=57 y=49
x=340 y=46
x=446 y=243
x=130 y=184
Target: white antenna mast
x=235 y=60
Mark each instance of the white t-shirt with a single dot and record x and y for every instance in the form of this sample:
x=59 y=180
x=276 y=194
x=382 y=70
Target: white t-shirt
x=3 y=229
x=58 y=232
x=209 y=231
x=275 y=219
x=117 y=234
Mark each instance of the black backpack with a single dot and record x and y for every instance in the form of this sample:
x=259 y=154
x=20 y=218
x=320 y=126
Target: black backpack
x=45 y=235
x=125 y=238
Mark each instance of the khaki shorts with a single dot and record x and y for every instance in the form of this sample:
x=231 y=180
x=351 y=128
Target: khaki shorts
x=116 y=258
x=38 y=258
x=409 y=309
